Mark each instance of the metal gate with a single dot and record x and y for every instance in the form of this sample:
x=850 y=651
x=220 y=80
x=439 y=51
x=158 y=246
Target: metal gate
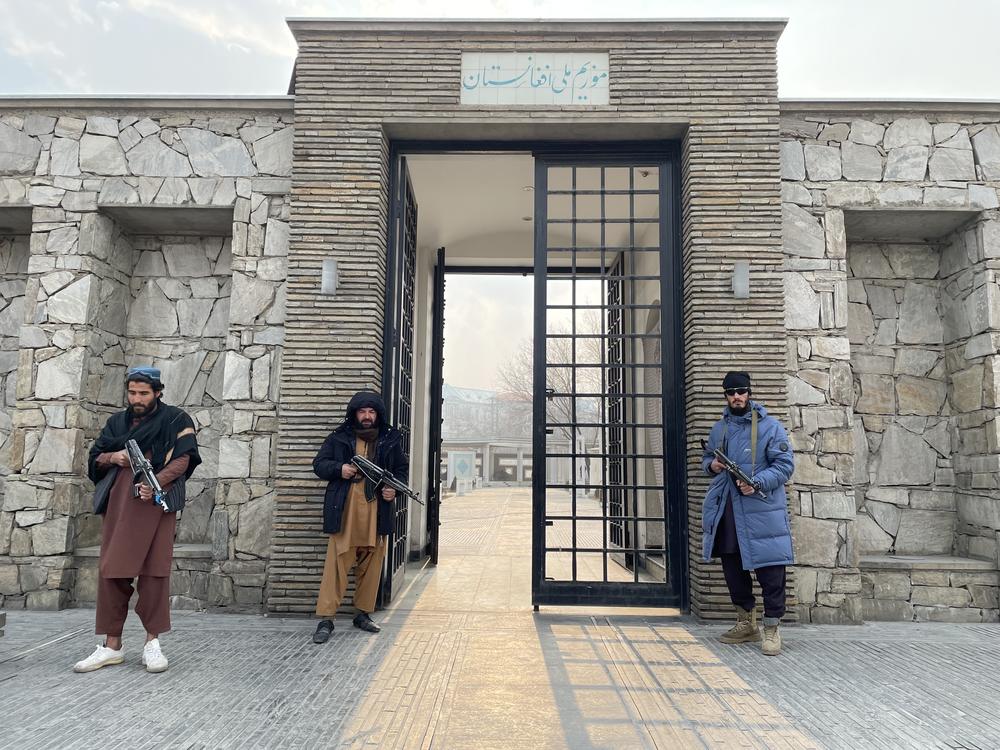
x=608 y=500
x=436 y=410
x=397 y=355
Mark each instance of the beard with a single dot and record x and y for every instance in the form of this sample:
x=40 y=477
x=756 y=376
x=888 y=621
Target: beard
x=739 y=411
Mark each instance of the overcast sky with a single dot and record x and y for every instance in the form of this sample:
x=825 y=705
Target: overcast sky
x=850 y=48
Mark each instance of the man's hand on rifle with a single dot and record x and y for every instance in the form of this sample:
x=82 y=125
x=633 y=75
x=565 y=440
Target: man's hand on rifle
x=717 y=466
x=745 y=488
x=120 y=458
x=145 y=493
x=388 y=494
x=347 y=471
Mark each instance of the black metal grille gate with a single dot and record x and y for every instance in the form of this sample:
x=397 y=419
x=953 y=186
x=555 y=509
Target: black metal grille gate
x=397 y=355
x=608 y=520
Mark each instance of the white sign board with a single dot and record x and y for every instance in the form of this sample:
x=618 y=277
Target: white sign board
x=534 y=78
x=461 y=465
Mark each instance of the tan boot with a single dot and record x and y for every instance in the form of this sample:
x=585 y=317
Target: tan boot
x=772 y=641
x=745 y=630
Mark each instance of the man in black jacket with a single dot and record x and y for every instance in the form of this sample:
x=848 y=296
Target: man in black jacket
x=357 y=514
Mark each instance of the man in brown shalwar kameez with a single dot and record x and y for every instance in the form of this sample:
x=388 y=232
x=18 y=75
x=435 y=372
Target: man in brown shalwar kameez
x=137 y=536
x=357 y=514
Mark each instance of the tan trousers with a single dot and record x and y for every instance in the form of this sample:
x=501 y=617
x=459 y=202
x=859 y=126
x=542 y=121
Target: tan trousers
x=368 y=563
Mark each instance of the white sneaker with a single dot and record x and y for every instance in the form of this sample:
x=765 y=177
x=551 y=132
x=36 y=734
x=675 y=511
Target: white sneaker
x=153 y=658
x=102 y=657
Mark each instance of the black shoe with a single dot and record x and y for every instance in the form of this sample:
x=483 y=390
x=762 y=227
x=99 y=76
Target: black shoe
x=323 y=631
x=363 y=621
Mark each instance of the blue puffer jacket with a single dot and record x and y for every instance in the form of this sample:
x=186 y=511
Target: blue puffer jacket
x=762 y=526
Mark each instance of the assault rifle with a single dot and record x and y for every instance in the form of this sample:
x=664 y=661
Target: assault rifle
x=142 y=471
x=381 y=477
x=735 y=471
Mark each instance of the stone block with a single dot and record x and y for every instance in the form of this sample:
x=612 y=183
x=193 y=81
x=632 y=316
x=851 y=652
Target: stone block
x=947 y=614
x=247 y=596
x=833 y=505
x=861 y=162
x=907 y=164
x=273 y=154
x=940 y=596
x=254 y=536
x=19 y=152
x=58 y=452
x=102 y=155
x=952 y=164
x=986 y=144
x=60 y=376
x=805 y=584
x=920 y=396
x=185 y=603
x=9 y=580
x=822 y=162
x=33 y=577
x=984 y=597
x=866 y=132
x=152 y=315
x=890 y=585
x=52 y=537
x=925 y=532
x=153 y=158
x=940 y=578
x=870 y=537
x=817 y=542
x=845 y=583
x=967 y=389
x=802 y=234
x=220 y=591
x=213 y=155
x=879 y=610
x=908 y=131
x=51 y=600
x=919 y=315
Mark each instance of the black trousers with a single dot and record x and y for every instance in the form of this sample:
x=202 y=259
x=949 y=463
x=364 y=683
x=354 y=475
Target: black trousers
x=770 y=578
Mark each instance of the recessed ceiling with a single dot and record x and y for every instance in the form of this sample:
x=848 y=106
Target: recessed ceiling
x=480 y=207
x=474 y=204
x=15 y=220
x=904 y=225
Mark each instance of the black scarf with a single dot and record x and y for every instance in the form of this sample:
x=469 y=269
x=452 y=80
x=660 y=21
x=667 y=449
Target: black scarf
x=167 y=431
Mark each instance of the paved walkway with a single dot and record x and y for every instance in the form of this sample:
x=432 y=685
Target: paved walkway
x=463 y=662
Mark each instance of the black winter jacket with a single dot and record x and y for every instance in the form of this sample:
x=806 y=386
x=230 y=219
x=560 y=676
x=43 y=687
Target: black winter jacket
x=339 y=448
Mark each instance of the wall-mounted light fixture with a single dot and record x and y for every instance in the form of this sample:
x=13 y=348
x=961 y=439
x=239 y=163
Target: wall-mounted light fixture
x=741 y=279
x=328 y=279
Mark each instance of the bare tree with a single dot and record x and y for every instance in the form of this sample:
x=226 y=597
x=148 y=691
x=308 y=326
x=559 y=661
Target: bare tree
x=515 y=377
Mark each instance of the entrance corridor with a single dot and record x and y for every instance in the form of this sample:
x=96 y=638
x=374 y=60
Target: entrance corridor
x=462 y=663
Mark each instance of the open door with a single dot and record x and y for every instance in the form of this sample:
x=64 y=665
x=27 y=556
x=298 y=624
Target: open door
x=608 y=478
x=397 y=355
x=436 y=401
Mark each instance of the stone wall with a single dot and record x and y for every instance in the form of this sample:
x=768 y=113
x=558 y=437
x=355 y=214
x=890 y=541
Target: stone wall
x=874 y=379
x=13 y=279
x=118 y=274
x=902 y=429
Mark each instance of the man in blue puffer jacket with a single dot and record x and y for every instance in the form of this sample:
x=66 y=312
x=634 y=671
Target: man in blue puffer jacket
x=748 y=531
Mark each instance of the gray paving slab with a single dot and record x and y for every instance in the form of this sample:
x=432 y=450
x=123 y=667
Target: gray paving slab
x=463 y=662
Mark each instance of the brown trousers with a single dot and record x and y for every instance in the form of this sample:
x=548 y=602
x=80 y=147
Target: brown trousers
x=153 y=606
x=339 y=561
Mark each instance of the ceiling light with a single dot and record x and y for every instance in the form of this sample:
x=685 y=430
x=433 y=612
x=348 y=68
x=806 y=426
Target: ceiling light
x=525 y=218
x=528 y=188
